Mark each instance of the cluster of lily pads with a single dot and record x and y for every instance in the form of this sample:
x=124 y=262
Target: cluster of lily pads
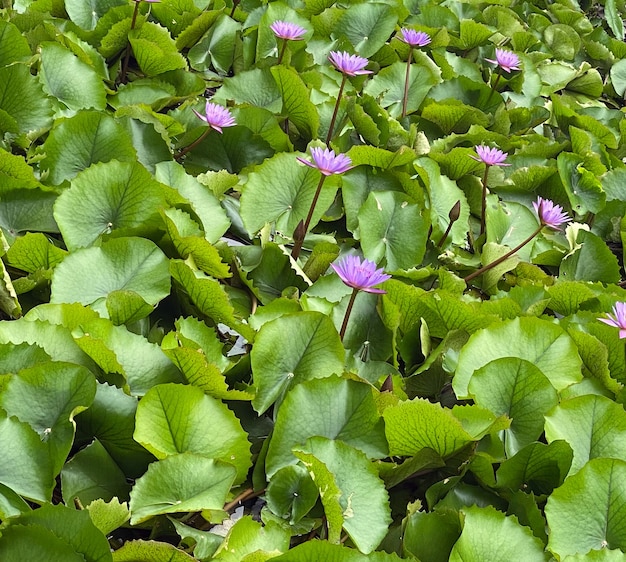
x=307 y=280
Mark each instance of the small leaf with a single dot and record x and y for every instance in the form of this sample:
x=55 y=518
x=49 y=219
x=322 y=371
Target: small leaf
x=111 y=420
x=488 y=535
x=15 y=173
x=131 y=264
x=190 y=241
x=614 y=19
x=291 y=494
x=592 y=260
x=209 y=296
x=23 y=99
x=539 y=341
x=217 y=46
x=368 y=26
x=86 y=13
x=47 y=396
x=92 y=475
x=352 y=494
x=33 y=252
x=517 y=388
x=77 y=142
x=154 y=49
x=114 y=197
x=26 y=469
x=13 y=45
x=179 y=484
x=203 y=202
x=594 y=426
x=418 y=424
x=70 y=80
x=312 y=350
x=332 y=407
x=431 y=536
x=281 y=190
x=618 y=77
x=388 y=84
x=73 y=527
x=577 y=526
x=173 y=419
x=108 y=516
x=248 y=537
x=537 y=467
x=384 y=220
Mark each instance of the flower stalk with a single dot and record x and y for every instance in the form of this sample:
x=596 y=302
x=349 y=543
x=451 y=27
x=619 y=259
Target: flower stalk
x=216 y=117
x=361 y=276
x=348 y=65
x=287 y=31
x=328 y=163
x=336 y=110
x=413 y=39
x=405 y=97
x=505 y=257
x=346 y=316
x=303 y=227
x=490 y=157
x=549 y=215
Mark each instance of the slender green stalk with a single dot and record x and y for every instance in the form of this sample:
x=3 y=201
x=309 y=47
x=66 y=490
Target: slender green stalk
x=405 y=97
x=502 y=258
x=193 y=145
x=128 y=48
x=334 y=117
x=483 y=210
x=346 y=317
x=301 y=231
x=493 y=88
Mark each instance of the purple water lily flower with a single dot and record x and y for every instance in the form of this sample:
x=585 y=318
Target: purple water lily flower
x=288 y=31
x=617 y=319
x=216 y=116
x=414 y=38
x=490 y=156
x=506 y=60
x=350 y=65
x=360 y=275
x=549 y=214
x=327 y=162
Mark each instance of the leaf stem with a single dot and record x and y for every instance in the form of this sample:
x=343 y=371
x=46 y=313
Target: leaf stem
x=405 y=97
x=334 y=117
x=502 y=258
x=346 y=317
x=301 y=231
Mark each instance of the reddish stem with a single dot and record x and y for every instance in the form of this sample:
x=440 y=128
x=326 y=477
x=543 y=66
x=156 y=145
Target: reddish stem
x=346 y=317
x=299 y=238
x=332 y=121
x=502 y=258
